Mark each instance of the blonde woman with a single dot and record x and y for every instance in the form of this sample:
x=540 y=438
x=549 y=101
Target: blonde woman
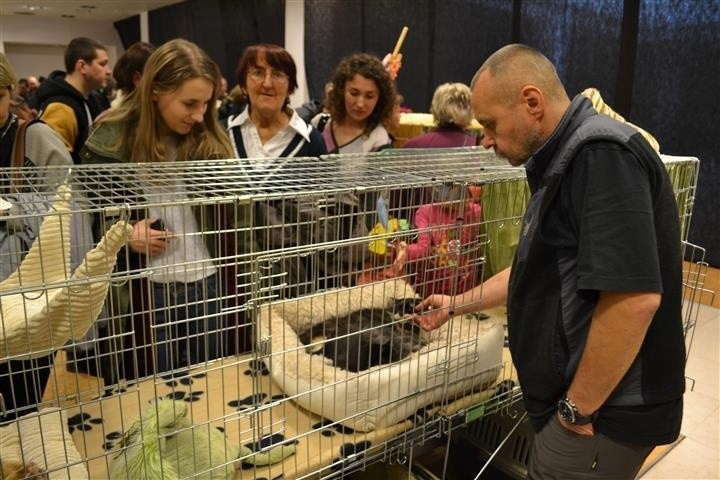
x=170 y=117
x=452 y=111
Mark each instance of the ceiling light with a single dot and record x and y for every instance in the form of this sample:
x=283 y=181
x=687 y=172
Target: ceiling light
x=33 y=8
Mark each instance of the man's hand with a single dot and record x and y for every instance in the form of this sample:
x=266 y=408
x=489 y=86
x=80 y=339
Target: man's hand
x=437 y=316
x=493 y=293
x=587 y=430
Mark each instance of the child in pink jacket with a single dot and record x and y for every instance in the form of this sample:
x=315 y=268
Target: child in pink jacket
x=445 y=257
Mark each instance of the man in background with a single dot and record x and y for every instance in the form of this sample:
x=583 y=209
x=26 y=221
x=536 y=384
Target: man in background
x=65 y=103
x=32 y=86
x=22 y=88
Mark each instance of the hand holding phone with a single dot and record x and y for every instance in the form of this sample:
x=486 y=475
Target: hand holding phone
x=157 y=225
x=149 y=238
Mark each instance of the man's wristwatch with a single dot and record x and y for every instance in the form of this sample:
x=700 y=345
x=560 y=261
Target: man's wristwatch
x=569 y=413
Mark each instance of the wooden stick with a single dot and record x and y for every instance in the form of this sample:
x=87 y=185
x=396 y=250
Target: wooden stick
x=400 y=41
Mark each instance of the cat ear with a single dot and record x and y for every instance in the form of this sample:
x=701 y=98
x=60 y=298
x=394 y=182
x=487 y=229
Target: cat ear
x=380 y=337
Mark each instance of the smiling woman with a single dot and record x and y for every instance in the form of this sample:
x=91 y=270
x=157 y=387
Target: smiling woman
x=182 y=109
x=269 y=128
x=170 y=117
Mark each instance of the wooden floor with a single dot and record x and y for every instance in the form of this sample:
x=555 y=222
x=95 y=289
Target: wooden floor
x=711 y=293
x=657 y=454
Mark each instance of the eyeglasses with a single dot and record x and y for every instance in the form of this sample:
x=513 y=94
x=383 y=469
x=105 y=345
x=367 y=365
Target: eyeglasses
x=258 y=75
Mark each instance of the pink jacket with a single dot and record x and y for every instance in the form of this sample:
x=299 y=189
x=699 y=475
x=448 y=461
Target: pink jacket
x=437 y=255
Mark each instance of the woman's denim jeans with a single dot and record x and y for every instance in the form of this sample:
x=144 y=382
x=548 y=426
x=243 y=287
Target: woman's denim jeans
x=187 y=326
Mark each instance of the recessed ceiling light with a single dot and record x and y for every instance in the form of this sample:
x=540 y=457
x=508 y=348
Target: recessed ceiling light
x=33 y=8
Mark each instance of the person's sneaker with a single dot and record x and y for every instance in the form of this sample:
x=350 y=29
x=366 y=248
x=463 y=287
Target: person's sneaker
x=82 y=361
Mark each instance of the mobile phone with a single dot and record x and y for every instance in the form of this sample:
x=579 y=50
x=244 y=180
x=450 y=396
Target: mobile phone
x=157 y=225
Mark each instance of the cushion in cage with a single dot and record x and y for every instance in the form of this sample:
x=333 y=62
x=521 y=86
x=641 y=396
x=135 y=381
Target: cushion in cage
x=463 y=356
x=41 y=304
x=43 y=438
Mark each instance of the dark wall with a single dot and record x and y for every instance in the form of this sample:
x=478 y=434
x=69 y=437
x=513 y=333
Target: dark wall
x=444 y=39
x=448 y=39
x=223 y=28
x=677 y=80
x=129 y=30
x=581 y=38
x=654 y=61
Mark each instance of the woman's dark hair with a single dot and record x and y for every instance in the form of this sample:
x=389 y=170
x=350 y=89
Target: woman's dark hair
x=130 y=63
x=368 y=66
x=275 y=56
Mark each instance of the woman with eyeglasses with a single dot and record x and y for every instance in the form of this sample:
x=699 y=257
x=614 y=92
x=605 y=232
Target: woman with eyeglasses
x=268 y=128
x=360 y=102
x=269 y=136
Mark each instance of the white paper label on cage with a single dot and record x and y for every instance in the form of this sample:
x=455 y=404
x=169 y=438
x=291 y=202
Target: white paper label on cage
x=4 y=204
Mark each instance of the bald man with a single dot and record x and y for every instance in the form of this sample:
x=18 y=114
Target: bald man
x=594 y=292
x=33 y=83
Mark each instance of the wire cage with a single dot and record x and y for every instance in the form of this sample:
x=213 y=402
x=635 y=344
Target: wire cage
x=152 y=314
x=683 y=172
x=248 y=318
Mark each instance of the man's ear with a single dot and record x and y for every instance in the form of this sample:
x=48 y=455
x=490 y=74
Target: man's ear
x=533 y=99
x=136 y=78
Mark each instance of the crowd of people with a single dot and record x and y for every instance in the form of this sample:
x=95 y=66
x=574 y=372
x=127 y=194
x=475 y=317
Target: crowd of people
x=171 y=104
x=596 y=337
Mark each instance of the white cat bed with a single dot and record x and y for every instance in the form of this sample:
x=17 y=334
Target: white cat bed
x=463 y=356
x=41 y=304
x=42 y=438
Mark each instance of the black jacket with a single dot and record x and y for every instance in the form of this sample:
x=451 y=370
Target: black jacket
x=58 y=90
x=580 y=237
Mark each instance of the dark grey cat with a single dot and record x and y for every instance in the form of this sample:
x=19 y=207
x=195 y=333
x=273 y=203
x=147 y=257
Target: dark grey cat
x=366 y=338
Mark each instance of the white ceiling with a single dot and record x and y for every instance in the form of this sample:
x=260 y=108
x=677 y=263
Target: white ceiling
x=107 y=10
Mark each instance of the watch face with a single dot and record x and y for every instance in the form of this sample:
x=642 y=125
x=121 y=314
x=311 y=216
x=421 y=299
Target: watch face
x=566 y=411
